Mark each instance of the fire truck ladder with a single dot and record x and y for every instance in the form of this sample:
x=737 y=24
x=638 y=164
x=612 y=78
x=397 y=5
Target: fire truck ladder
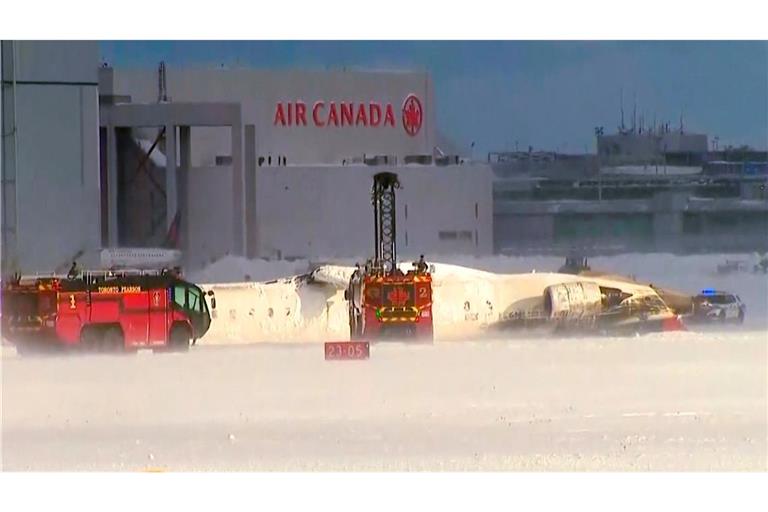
x=385 y=234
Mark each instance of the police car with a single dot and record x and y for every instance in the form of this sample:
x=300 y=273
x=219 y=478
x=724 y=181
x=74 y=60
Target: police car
x=713 y=305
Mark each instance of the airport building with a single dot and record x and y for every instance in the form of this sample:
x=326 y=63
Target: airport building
x=643 y=190
x=49 y=153
x=269 y=164
x=278 y=164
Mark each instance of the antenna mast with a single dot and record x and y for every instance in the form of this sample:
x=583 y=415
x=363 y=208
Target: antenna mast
x=162 y=95
x=634 y=114
x=621 y=103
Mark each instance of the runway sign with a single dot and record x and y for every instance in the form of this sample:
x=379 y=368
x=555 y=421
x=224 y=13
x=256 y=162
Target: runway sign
x=335 y=350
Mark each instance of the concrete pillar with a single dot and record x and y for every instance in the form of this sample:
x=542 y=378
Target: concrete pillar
x=112 y=183
x=667 y=229
x=251 y=224
x=668 y=208
x=238 y=190
x=171 y=193
x=185 y=166
x=752 y=190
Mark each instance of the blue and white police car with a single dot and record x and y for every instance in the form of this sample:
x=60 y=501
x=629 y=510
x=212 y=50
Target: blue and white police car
x=718 y=306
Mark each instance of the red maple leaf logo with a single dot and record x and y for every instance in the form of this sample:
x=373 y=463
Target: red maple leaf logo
x=398 y=296
x=412 y=115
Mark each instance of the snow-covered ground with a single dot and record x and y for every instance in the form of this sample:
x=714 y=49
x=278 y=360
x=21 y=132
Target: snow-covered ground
x=674 y=401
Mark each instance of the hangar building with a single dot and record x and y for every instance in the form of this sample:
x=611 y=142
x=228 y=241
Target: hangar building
x=258 y=163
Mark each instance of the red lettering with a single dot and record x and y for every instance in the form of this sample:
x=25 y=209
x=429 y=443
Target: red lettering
x=389 y=117
x=279 y=115
x=315 y=108
x=375 y=116
x=301 y=113
x=333 y=116
x=361 y=119
x=346 y=113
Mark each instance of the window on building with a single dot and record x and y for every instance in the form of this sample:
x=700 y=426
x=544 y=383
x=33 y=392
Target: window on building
x=455 y=235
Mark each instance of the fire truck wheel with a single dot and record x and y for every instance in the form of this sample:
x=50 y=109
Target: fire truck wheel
x=179 y=338
x=113 y=340
x=29 y=348
x=89 y=339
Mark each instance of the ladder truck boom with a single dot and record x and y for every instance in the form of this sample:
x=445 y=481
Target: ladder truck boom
x=385 y=221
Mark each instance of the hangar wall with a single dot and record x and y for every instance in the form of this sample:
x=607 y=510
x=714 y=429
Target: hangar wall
x=50 y=153
x=209 y=212
x=326 y=212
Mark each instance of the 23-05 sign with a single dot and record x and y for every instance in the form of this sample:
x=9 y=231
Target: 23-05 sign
x=335 y=350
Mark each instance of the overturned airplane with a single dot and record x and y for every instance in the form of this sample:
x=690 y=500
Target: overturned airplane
x=466 y=304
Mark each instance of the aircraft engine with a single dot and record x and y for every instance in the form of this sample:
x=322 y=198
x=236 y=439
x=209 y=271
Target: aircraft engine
x=573 y=301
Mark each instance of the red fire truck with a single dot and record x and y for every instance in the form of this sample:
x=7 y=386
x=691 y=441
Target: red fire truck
x=393 y=306
x=384 y=302
x=104 y=311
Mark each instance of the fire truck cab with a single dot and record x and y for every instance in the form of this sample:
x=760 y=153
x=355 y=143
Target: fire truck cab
x=104 y=311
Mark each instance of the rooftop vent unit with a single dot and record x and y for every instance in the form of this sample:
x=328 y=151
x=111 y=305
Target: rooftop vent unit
x=162 y=93
x=381 y=160
x=447 y=160
x=418 y=159
x=113 y=99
